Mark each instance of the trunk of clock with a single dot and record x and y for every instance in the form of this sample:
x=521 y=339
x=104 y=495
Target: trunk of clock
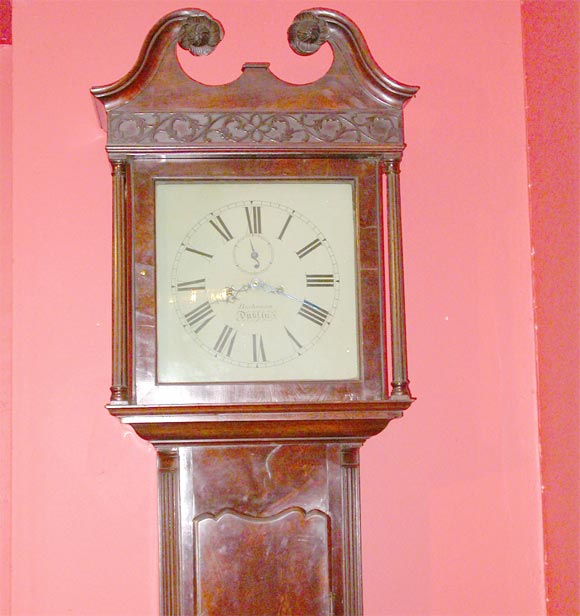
x=260 y=529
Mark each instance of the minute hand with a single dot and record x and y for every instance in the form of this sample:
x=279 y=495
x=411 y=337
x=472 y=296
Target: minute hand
x=268 y=288
x=308 y=310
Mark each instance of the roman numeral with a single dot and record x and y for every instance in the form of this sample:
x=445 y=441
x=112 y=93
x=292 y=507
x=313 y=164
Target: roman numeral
x=293 y=338
x=308 y=248
x=320 y=280
x=220 y=226
x=285 y=227
x=199 y=252
x=313 y=313
x=223 y=339
x=200 y=316
x=258 y=352
x=192 y=285
x=254 y=218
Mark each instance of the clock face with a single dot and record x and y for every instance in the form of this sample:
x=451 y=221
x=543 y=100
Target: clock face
x=256 y=281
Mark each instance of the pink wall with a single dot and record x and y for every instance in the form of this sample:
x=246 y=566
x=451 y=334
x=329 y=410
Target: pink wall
x=451 y=493
x=552 y=65
x=5 y=303
x=460 y=517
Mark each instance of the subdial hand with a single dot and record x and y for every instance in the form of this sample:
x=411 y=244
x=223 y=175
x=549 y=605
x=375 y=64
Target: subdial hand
x=254 y=255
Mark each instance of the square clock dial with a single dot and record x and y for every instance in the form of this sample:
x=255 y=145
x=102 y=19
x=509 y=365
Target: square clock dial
x=256 y=281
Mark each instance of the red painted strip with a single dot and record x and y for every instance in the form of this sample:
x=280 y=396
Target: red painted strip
x=5 y=22
x=551 y=38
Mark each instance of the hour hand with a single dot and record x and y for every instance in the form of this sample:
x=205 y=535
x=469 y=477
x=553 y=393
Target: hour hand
x=230 y=294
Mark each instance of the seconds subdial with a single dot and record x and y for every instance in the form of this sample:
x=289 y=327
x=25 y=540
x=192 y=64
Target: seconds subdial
x=253 y=254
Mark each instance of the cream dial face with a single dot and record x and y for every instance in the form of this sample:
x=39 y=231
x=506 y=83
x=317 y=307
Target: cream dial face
x=255 y=281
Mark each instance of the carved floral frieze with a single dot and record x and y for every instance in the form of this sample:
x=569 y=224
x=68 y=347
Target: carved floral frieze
x=263 y=128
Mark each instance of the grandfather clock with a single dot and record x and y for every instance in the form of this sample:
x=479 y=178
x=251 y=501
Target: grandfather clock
x=250 y=344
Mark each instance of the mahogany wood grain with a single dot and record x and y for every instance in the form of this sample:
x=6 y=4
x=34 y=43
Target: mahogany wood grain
x=258 y=482
x=372 y=384
x=264 y=529
x=165 y=124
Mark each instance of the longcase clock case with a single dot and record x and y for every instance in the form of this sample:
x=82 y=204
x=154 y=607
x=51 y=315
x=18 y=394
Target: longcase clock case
x=258 y=475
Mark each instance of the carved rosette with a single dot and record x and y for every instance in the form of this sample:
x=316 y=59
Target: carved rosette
x=307 y=33
x=200 y=35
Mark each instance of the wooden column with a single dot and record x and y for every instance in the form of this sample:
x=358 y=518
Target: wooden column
x=353 y=605
x=400 y=380
x=169 y=531
x=119 y=386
